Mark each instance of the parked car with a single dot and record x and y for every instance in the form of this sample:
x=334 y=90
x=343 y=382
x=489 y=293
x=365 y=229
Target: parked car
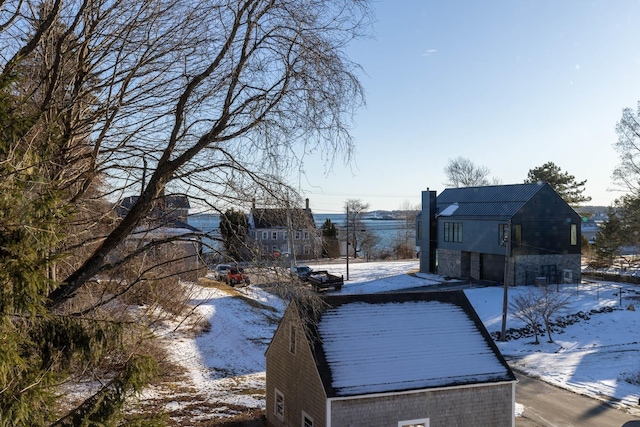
x=236 y=275
x=221 y=272
x=301 y=272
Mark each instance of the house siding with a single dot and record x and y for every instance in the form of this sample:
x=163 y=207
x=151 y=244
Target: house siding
x=487 y=405
x=295 y=376
x=477 y=236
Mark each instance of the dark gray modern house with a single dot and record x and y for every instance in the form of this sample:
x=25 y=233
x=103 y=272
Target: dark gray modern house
x=520 y=233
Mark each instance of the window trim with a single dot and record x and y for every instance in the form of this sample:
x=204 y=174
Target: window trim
x=292 y=339
x=278 y=410
x=417 y=422
x=574 y=234
x=308 y=417
x=453 y=232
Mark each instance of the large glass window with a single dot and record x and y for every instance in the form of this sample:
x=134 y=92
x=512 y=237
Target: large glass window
x=574 y=234
x=453 y=232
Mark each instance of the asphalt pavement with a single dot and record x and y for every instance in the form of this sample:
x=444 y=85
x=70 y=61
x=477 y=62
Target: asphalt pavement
x=548 y=406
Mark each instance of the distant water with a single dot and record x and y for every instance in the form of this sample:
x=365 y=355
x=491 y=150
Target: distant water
x=386 y=230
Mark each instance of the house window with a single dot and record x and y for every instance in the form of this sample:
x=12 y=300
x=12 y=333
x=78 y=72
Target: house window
x=278 y=409
x=423 y=422
x=297 y=235
x=285 y=235
x=307 y=421
x=265 y=249
x=274 y=235
x=503 y=234
x=516 y=236
x=307 y=250
x=453 y=232
x=265 y=235
x=574 y=234
x=306 y=235
x=292 y=339
x=275 y=249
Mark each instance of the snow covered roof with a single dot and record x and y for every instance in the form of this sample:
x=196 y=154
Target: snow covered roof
x=393 y=342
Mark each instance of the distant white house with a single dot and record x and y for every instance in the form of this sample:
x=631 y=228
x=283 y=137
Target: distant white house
x=388 y=359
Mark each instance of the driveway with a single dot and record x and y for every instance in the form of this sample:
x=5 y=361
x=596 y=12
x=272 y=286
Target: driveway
x=546 y=405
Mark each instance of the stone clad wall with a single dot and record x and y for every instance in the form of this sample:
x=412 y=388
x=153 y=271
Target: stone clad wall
x=449 y=263
x=528 y=266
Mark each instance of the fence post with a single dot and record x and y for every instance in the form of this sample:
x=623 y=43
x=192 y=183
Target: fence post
x=620 y=293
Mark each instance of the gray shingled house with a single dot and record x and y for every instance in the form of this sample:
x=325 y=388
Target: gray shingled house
x=278 y=231
x=527 y=230
x=388 y=359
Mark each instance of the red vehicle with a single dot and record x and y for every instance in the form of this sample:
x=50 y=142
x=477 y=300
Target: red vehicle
x=236 y=275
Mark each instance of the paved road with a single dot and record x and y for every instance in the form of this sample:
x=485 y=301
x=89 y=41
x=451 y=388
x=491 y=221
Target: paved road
x=549 y=406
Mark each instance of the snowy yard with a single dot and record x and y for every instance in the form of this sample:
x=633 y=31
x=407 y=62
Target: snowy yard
x=593 y=356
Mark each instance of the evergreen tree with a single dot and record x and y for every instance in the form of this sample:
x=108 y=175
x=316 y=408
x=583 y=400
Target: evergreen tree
x=42 y=348
x=564 y=184
x=330 y=244
x=608 y=241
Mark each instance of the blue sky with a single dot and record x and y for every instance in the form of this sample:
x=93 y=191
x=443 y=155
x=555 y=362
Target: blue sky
x=509 y=85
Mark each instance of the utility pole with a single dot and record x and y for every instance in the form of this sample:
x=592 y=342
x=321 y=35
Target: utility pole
x=347 y=221
x=507 y=268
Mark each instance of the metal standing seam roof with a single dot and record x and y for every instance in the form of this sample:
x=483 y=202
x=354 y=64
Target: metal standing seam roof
x=495 y=201
x=399 y=342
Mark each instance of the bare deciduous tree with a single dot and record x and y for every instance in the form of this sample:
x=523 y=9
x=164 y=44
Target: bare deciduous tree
x=174 y=103
x=101 y=100
x=462 y=172
x=551 y=303
x=359 y=238
x=526 y=307
x=627 y=173
x=538 y=305
x=405 y=240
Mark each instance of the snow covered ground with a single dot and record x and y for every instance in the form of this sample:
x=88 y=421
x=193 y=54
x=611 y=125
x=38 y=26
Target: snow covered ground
x=593 y=356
